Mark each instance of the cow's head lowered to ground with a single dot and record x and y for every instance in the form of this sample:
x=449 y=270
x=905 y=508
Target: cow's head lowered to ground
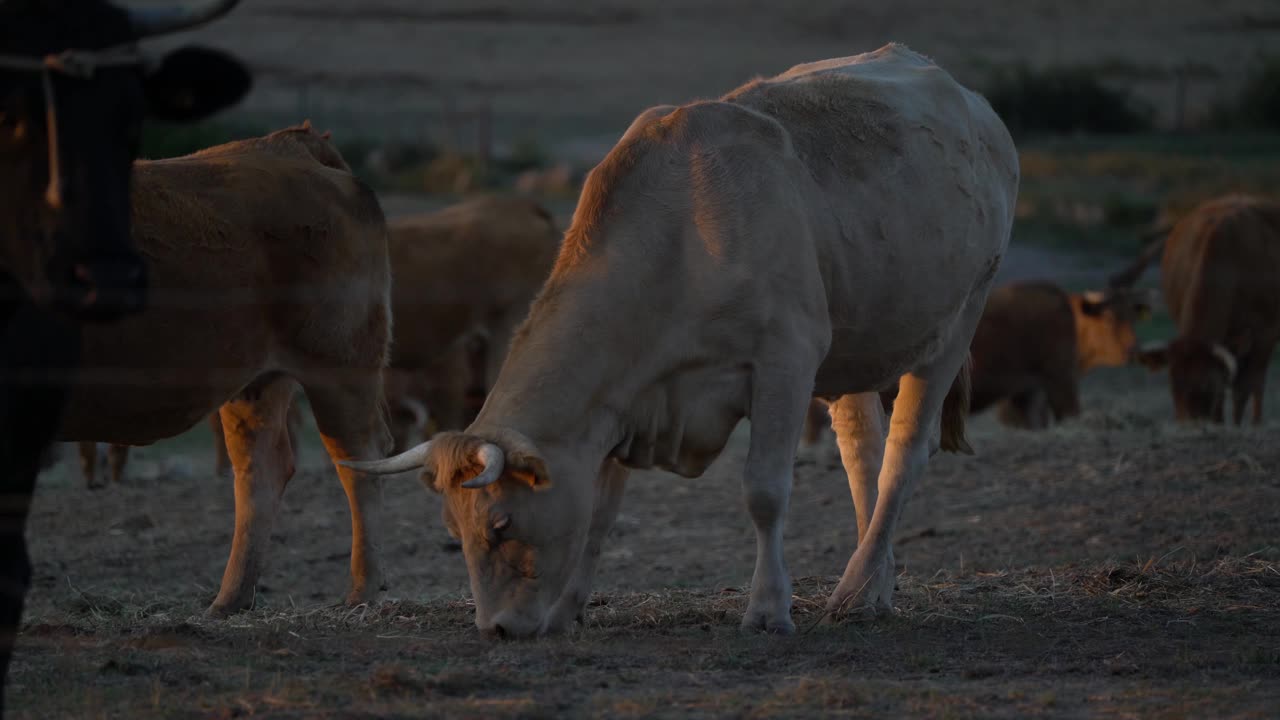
x=73 y=92
x=519 y=530
x=1200 y=375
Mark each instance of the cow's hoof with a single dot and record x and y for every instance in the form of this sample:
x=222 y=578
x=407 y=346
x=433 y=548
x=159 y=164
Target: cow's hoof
x=758 y=623
x=225 y=610
x=362 y=595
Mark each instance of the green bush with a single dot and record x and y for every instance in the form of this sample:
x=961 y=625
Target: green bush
x=1064 y=100
x=1258 y=105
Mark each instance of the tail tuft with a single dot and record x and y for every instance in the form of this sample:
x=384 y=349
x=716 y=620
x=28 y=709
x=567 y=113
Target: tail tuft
x=955 y=409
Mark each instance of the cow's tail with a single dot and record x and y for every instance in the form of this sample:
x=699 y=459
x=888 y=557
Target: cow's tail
x=955 y=409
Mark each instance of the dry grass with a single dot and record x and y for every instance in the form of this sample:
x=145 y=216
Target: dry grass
x=1117 y=566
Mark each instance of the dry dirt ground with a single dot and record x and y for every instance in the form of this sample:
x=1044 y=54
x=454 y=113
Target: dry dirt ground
x=1116 y=566
x=561 y=68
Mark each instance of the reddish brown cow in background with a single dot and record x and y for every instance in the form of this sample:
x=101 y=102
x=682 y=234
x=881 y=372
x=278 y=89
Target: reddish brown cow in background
x=1220 y=272
x=269 y=270
x=464 y=278
x=487 y=257
x=1032 y=345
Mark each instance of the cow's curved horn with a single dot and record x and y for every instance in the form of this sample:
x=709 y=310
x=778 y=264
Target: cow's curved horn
x=410 y=459
x=147 y=22
x=493 y=459
x=1228 y=360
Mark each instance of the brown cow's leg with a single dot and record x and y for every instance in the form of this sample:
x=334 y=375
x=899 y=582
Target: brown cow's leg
x=89 y=465
x=1251 y=382
x=1063 y=394
x=353 y=426
x=221 y=461
x=117 y=458
x=258 y=445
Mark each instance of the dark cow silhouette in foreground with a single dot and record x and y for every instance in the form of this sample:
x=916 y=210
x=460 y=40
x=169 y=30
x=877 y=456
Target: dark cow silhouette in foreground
x=1218 y=271
x=73 y=93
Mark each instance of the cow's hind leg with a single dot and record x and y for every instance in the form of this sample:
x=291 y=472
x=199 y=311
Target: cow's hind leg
x=258 y=444
x=351 y=419
x=779 y=403
x=117 y=458
x=914 y=432
x=221 y=460
x=859 y=424
x=815 y=420
x=89 y=465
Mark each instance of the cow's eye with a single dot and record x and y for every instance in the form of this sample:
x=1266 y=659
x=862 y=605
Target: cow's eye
x=501 y=523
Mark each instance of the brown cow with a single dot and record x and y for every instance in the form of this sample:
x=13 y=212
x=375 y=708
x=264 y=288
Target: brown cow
x=1032 y=345
x=1219 y=271
x=269 y=270
x=487 y=257
x=465 y=277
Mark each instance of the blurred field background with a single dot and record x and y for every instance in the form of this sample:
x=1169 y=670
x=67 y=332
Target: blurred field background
x=1118 y=565
x=1127 y=112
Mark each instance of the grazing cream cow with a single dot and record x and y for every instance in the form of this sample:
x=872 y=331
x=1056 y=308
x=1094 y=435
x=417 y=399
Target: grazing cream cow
x=832 y=231
x=1219 y=274
x=268 y=266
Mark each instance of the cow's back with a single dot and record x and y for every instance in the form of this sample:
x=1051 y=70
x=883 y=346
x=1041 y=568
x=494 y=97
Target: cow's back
x=1219 y=267
x=919 y=178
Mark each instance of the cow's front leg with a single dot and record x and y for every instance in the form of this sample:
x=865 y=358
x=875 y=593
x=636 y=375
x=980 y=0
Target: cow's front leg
x=573 y=603
x=778 y=408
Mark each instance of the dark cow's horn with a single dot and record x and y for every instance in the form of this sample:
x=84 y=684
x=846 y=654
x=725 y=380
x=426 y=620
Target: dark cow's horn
x=159 y=21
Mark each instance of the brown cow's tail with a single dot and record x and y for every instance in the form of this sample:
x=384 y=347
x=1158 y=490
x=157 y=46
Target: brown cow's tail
x=955 y=408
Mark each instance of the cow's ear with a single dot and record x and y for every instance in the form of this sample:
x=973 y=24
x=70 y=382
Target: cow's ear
x=191 y=83
x=1154 y=356
x=529 y=469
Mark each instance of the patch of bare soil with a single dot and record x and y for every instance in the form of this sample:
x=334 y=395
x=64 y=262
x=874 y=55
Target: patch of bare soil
x=1115 y=566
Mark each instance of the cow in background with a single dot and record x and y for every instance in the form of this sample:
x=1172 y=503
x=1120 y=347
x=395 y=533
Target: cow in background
x=73 y=93
x=269 y=271
x=464 y=279
x=485 y=258
x=1219 y=272
x=1034 y=342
